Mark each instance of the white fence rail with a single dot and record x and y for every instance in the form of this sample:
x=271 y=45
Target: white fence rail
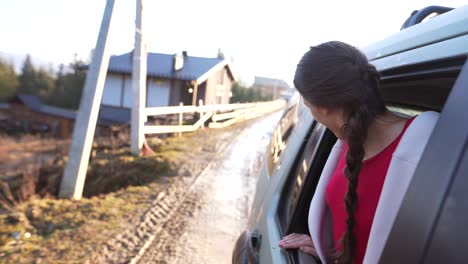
x=221 y=115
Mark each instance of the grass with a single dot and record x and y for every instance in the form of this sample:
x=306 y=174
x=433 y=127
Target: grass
x=67 y=231
x=119 y=187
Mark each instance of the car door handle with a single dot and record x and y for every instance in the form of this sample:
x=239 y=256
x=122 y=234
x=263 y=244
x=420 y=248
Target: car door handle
x=255 y=242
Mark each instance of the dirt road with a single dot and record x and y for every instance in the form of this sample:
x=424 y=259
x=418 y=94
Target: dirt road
x=214 y=211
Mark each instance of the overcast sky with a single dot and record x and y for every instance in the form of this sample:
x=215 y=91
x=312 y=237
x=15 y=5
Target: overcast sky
x=264 y=38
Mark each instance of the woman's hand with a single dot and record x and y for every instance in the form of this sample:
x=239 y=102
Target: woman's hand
x=300 y=241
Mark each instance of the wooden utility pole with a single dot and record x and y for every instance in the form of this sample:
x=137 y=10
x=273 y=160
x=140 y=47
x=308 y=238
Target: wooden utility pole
x=138 y=84
x=83 y=133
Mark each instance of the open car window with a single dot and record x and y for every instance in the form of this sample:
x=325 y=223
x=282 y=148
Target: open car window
x=299 y=171
x=292 y=214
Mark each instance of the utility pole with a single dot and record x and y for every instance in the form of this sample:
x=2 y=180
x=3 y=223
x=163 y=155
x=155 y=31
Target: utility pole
x=83 y=133
x=138 y=83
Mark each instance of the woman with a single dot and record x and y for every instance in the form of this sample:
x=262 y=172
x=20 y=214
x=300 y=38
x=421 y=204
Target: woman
x=341 y=89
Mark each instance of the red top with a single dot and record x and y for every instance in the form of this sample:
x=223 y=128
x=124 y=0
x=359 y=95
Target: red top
x=370 y=183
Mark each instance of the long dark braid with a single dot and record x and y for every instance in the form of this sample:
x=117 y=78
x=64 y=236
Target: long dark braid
x=337 y=75
x=356 y=133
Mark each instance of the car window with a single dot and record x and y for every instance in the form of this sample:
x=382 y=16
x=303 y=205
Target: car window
x=298 y=174
x=281 y=135
x=297 y=193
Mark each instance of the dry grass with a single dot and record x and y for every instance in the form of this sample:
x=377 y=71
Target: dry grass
x=119 y=186
x=66 y=231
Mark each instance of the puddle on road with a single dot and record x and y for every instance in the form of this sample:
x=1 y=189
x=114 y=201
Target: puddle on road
x=227 y=192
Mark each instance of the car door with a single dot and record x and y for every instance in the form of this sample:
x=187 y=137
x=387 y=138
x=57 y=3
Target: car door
x=254 y=243
x=274 y=154
x=431 y=224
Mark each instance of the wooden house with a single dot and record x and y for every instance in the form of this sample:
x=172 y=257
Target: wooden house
x=272 y=88
x=29 y=114
x=171 y=79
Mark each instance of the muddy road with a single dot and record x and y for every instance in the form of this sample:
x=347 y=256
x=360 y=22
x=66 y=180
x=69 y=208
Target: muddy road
x=203 y=229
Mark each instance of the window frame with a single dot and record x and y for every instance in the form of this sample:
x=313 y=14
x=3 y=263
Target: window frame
x=324 y=141
x=393 y=80
x=281 y=212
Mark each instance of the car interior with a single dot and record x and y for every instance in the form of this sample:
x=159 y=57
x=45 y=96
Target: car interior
x=407 y=90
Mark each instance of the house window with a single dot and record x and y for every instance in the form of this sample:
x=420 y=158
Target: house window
x=112 y=94
x=158 y=93
x=220 y=77
x=127 y=96
x=219 y=99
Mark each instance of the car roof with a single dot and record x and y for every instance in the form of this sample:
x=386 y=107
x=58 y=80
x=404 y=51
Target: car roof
x=442 y=27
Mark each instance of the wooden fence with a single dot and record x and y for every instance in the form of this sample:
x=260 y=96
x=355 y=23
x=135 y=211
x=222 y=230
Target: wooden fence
x=221 y=115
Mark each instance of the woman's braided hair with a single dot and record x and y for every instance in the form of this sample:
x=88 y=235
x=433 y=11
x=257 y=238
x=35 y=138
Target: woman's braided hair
x=337 y=75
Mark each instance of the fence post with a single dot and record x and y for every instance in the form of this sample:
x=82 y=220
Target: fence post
x=200 y=104
x=181 y=117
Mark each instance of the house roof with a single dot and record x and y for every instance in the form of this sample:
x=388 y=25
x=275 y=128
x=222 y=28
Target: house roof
x=269 y=82
x=161 y=66
x=34 y=103
x=57 y=111
x=107 y=115
x=31 y=101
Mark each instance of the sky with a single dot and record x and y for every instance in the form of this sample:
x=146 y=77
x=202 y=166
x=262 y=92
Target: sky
x=262 y=37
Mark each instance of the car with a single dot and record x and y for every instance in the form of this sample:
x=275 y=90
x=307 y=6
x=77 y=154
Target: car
x=423 y=67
